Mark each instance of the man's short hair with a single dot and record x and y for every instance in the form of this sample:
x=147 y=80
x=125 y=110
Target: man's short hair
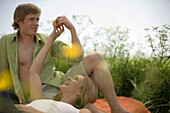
x=23 y=10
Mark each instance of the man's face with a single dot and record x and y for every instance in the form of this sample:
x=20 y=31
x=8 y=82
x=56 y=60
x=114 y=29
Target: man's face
x=29 y=25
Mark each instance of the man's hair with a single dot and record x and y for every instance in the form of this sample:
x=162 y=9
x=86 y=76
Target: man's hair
x=23 y=10
x=89 y=93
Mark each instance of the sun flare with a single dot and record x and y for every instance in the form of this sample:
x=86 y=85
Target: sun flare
x=5 y=80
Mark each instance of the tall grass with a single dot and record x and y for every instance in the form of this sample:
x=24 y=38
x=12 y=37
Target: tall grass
x=143 y=78
x=146 y=79
x=154 y=90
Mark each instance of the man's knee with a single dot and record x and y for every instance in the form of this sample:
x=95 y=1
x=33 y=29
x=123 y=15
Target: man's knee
x=92 y=58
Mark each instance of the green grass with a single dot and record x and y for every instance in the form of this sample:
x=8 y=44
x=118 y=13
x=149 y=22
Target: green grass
x=146 y=79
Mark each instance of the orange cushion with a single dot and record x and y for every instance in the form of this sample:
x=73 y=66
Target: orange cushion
x=127 y=103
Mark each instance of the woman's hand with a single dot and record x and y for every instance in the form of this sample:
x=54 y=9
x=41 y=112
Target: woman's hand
x=26 y=109
x=58 y=29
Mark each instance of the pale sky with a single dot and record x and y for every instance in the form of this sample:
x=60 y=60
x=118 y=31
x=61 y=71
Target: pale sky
x=133 y=14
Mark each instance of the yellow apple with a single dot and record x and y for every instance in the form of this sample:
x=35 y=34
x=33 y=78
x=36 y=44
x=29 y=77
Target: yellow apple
x=54 y=23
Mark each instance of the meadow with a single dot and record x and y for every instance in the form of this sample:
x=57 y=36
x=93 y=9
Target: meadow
x=143 y=77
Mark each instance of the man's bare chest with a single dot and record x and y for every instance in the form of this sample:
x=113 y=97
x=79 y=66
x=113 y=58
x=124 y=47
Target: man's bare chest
x=25 y=55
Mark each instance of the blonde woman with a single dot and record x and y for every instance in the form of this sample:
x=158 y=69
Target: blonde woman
x=75 y=93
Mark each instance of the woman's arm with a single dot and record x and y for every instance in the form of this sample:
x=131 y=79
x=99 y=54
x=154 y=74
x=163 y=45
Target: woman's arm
x=36 y=91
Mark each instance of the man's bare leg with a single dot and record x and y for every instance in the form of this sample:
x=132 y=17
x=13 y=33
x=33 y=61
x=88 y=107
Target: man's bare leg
x=96 y=68
x=93 y=109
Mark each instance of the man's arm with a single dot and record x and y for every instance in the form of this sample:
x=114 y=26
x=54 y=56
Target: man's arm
x=36 y=91
x=76 y=50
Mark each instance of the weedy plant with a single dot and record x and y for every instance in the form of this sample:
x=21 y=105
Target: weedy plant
x=154 y=90
x=146 y=79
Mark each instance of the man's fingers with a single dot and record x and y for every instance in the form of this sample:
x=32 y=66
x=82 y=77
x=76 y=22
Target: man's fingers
x=60 y=19
x=20 y=107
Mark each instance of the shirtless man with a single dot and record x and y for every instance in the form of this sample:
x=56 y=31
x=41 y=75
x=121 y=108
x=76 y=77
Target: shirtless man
x=18 y=51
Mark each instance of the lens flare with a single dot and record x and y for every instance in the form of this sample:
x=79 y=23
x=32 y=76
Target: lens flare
x=5 y=80
x=74 y=52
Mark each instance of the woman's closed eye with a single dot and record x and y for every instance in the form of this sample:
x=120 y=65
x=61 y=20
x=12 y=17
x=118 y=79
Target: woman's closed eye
x=75 y=78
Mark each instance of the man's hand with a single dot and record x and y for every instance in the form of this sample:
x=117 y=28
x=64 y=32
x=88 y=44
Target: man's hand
x=62 y=20
x=76 y=49
x=26 y=109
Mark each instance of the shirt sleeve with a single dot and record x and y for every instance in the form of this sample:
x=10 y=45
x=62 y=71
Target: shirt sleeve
x=61 y=51
x=3 y=56
x=65 y=107
x=51 y=106
x=44 y=105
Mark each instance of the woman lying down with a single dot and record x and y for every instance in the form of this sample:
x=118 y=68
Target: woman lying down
x=75 y=93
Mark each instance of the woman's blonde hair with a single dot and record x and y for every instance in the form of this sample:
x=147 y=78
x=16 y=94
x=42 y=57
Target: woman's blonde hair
x=89 y=93
x=23 y=10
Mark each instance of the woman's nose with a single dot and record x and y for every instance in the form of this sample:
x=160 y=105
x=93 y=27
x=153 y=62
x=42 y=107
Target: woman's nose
x=69 y=78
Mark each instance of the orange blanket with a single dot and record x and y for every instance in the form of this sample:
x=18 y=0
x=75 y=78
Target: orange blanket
x=127 y=103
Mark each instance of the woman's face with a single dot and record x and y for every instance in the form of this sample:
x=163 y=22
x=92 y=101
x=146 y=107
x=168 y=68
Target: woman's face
x=73 y=85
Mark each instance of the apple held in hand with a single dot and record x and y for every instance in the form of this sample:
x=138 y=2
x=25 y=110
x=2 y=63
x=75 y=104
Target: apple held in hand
x=54 y=21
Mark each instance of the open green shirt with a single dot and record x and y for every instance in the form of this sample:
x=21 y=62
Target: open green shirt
x=9 y=61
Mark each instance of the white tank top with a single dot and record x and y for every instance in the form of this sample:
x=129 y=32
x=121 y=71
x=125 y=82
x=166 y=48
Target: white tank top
x=51 y=106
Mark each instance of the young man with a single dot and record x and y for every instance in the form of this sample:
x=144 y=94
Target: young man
x=18 y=50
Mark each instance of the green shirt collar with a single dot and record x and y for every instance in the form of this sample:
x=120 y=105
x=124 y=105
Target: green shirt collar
x=37 y=38
x=14 y=37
